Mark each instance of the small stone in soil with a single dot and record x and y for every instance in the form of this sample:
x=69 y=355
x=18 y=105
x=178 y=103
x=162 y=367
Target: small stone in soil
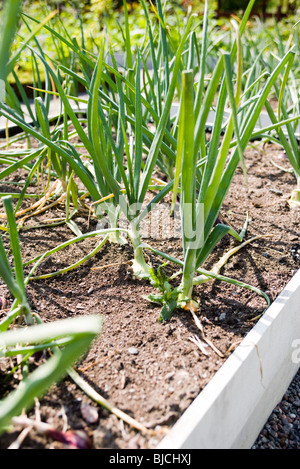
x=133 y=351
x=89 y=413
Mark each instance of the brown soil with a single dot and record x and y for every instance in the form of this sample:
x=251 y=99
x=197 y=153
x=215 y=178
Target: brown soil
x=153 y=371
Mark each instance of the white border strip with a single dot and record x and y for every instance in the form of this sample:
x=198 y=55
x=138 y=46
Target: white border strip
x=234 y=406
x=263 y=121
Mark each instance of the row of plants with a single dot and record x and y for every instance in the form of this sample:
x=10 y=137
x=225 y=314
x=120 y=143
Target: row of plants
x=124 y=155
x=99 y=18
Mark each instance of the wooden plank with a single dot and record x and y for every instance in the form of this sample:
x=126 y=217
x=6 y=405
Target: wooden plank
x=234 y=406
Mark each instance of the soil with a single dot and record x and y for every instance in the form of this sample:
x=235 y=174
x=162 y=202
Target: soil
x=150 y=370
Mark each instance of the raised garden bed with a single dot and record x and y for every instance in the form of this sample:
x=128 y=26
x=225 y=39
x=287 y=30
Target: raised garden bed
x=151 y=370
x=234 y=406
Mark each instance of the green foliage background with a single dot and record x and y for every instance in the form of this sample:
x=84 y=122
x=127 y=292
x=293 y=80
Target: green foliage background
x=102 y=17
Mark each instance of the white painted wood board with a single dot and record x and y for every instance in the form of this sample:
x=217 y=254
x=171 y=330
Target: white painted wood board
x=234 y=406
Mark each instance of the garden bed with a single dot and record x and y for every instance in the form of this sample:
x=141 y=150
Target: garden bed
x=153 y=371
x=237 y=402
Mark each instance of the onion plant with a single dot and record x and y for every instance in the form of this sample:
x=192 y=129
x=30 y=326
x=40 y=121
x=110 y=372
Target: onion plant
x=14 y=279
x=287 y=94
x=104 y=174
x=122 y=153
x=289 y=140
x=44 y=161
x=205 y=169
x=9 y=28
x=62 y=342
x=266 y=49
x=11 y=97
x=112 y=107
x=66 y=340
